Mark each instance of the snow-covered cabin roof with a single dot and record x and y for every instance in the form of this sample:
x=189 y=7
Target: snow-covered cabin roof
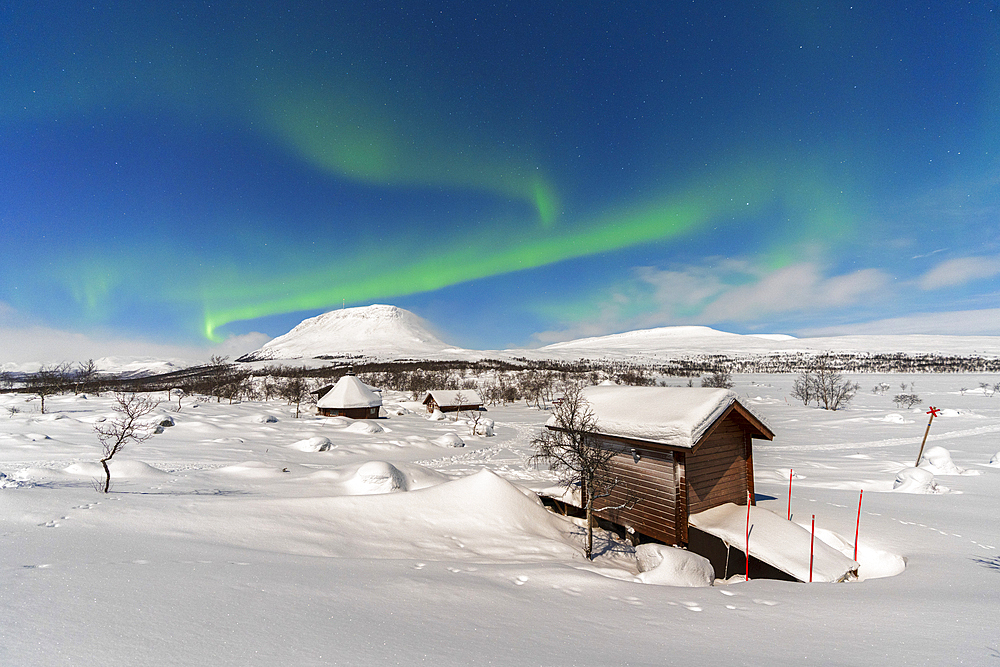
x=454 y=397
x=672 y=416
x=350 y=392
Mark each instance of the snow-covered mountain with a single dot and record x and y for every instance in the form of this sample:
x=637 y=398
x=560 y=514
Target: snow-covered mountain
x=370 y=331
x=694 y=340
x=387 y=332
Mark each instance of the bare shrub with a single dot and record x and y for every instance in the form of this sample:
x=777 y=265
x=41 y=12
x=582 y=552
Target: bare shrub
x=127 y=427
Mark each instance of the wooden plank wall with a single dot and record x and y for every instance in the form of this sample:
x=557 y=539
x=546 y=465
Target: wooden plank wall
x=651 y=484
x=717 y=470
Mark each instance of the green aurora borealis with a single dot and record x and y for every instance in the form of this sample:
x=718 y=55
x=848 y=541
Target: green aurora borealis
x=191 y=171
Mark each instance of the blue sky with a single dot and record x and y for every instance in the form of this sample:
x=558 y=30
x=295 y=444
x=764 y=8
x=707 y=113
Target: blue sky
x=517 y=173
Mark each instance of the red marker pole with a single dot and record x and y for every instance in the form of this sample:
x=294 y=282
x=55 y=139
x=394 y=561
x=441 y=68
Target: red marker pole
x=812 y=541
x=857 y=527
x=746 y=577
x=933 y=413
x=789 y=494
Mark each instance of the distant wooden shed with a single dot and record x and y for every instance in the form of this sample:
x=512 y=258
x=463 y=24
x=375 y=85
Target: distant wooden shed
x=350 y=397
x=679 y=451
x=457 y=400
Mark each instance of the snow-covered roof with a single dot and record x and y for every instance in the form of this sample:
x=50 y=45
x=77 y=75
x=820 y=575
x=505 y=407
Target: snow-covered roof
x=673 y=416
x=453 y=397
x=350 y=392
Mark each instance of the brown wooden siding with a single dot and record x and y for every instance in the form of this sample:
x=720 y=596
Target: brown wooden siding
x=650 y=487
x=717 y=470
x=353 y=413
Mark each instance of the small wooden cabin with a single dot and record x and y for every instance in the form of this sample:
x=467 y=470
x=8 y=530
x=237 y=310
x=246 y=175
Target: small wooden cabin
x=679 y=451
x=448 y=400
x=350 y=397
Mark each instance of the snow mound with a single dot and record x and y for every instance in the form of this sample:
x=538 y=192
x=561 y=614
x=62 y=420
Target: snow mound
x=262 y=419
x=362 y=426
x=315 y=444
x=378 y=477
x=873 y=563
x=916 y=480
x=895 y=418
x=937 y=460
x=335 y=421
x=251 y=470
x=436 y=416
x=671 y=566
x=126 y=469
x=450 y=440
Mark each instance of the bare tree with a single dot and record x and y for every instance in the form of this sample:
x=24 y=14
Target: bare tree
x=127 y=427
x=85 y=375
x=47 y=381
x=906 y=400
x=804 y=387
x=572 y=450
x=832 y=389
x=295 y=390
x=720 y=379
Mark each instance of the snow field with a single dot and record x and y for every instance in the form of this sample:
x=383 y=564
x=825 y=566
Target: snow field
x=227 y=541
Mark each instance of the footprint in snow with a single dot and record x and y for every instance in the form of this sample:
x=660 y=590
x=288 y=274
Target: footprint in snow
x=769 y=603
x=49 y=524
x=419 y=566
x=520 y=581
x=43 y=566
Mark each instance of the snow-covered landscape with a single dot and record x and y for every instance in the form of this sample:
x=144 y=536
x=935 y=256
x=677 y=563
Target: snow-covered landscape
x=239 y=535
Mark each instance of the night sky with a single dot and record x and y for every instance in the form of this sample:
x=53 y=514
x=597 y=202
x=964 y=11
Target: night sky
x=515 y=172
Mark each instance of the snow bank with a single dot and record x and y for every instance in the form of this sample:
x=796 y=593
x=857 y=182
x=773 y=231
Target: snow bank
x=873 y=563
x=916 y=480
x=937 y=460
x=262 y=419
x=450 y=440
x=362 y=426
x=671 y=566
x=122 y=469
x=314 y=444
x=378 y=477
x=775 y=541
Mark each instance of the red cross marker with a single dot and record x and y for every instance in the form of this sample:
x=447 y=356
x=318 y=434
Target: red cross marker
x=933 y=412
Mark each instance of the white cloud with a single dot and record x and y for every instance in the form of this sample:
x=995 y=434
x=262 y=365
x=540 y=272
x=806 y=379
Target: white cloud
x=984 y=322
x=725 y=291
x=25 y=345
x=958 y=271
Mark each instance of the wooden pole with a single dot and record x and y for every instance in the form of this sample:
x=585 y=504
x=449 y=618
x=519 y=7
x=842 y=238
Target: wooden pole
x=857 y=526
x=932 y=412
x=747 y=571
x=789 y=494
x=812 y=541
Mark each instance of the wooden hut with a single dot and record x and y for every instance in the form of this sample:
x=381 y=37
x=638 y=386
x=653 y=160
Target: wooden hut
x=458 y=400
x=679 y=451
x=350 y=397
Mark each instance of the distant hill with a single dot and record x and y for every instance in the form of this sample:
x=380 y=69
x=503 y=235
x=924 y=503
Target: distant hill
x=370 y=331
